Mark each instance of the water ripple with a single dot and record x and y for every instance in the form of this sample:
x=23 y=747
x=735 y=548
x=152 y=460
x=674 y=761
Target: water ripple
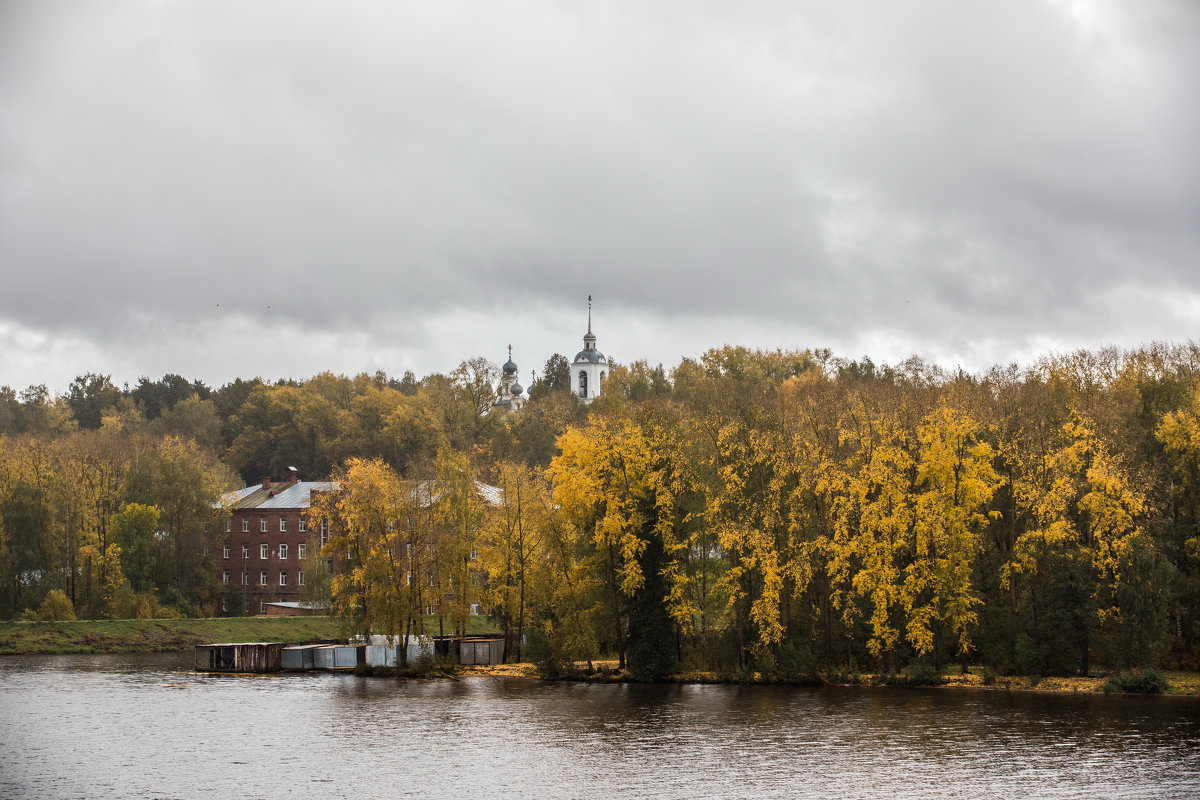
x=146 y=726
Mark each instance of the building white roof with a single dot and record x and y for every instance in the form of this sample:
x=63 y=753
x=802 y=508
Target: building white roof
x=280 y=495
x=299 y=494
x=428 y=492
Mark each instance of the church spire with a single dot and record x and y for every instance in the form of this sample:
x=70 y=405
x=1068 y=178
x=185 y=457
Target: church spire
x=589 y=338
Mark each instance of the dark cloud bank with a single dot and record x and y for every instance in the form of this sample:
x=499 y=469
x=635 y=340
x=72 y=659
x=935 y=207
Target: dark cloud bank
x=378 y=185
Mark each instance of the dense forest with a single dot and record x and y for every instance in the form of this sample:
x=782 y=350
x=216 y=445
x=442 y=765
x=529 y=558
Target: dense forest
x=780 y=512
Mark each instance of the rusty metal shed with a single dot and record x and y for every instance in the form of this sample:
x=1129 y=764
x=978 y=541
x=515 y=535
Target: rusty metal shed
x=323 y=657
x=481 y=650
x=349 y=656
x=339 y=656
x=239 y=657
x=387 y=651
x=298 y=656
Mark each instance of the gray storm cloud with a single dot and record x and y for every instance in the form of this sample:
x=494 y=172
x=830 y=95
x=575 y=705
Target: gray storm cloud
x=931 y=173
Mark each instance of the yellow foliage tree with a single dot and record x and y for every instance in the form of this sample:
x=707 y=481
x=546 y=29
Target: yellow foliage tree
x=373 y=589
x=1090 y=508
x=955 y=482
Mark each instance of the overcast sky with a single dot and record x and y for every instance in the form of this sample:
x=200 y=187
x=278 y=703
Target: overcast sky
x=225 y=189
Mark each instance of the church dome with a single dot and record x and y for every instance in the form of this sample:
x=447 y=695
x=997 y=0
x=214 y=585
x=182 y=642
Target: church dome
x=510 y=366
x=517 y=389
x=589 y=357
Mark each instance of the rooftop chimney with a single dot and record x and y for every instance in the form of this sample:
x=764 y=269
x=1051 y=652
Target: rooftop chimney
x=267 y=482
x=292 y=475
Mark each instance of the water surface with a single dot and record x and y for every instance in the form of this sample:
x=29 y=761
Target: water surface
x=145 y=726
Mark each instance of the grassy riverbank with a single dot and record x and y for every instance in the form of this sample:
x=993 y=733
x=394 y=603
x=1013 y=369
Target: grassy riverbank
x=167 y=635
x=157 y=635
x=1180 y=682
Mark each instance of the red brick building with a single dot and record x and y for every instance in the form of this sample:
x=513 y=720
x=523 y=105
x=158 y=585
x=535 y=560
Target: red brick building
x=268 y=534
x=266 y=541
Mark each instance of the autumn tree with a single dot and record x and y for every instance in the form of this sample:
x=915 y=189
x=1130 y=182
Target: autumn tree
x=282 y=426
x=134 y=528
x=955 y=483
x=89 y=395
x=1088 y=524
x=1178 y=432
x=372 y=590
x=185 y=484
x=24 y=523
x=556 y=374
x=611 y=480
x=458 y=513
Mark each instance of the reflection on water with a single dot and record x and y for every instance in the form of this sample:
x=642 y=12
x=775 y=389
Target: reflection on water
x=146 y=726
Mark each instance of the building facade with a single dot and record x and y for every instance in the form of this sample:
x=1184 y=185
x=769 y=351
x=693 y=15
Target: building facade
x=268 y=534
x=267 y=537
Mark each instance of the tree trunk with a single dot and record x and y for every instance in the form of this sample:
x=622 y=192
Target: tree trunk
x=1084 y=653
x=616 y=606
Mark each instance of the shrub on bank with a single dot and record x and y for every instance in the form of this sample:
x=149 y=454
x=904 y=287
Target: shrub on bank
x=545 y=655
x=56 y=607
x=1146 y=681
x=918 y=673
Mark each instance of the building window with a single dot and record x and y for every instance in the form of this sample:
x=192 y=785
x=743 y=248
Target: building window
x=583 y=383
x=283 y=551
x=245 y=524
x=262 y=577
x=227 y=520
x=282 y=578
x=300 y=578
x=262 y=524
x=262 y=607
x=391 y=527
x=303 y=525
x=475 y=609
x=245 y=578
x=225 y=576
x=429 y=610
x=602 y=376
x=225 y=551
x=324 y=533
x=245 y=551
x=283 y=524
x=224 y=606
x=263 y=551
x=474 y=554
x=408 y=578
x=301 y=551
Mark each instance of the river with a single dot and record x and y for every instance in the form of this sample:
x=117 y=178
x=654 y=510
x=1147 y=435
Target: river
x=145 y=726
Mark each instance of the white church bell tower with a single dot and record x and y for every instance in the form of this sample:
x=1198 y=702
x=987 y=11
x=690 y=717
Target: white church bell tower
x=590 y=367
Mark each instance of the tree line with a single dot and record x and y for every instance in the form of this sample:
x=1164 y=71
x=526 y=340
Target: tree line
x=778 y=512
x=76 y=467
